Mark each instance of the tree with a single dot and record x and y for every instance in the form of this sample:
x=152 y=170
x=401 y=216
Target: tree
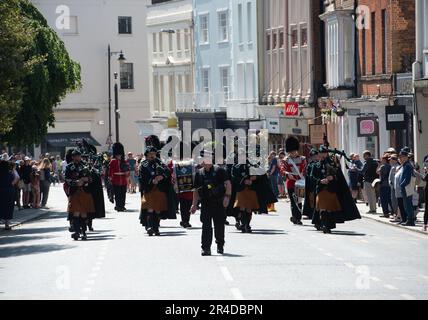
x=16 y=37
x=52 y=76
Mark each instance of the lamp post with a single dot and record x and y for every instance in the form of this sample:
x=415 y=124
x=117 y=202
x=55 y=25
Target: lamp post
x=121 y=60
x=116 y=106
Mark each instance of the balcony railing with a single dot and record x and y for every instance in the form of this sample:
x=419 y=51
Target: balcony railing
x=242 y=109
x=201 y=102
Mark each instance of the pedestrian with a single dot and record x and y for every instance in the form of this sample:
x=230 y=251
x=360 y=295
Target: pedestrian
x=158 y=200
x=273 y=174
x=118 y=174
x=404 y=188
x=426 y=194
x=213 y=189
x=369 y=176
x=80 y=201
x=7 y=192
x=45 y=169
x=35 y=186
x=25 y=174
x=295 y=171
x=133 y=176
x=393 y=161
x=354 y=169
x=385 y=189
x=18 y=185
x=282 y=177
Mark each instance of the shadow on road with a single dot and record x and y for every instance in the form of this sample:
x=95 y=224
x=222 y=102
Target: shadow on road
x=6 y=252
x=270 y=232
x=173 y=234
x=100 y=238
x=348 y=233
x=231 y=255
x=16 y=232
x=16 y=239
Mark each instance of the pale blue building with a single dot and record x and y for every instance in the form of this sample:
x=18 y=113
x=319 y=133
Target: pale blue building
x=226 y=56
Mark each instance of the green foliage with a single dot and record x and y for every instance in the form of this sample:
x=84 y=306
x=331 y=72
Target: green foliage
x=16 y=37
x=53 y=74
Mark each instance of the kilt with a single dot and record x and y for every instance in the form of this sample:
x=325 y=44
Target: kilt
x=81 y=202
x=155 y=200
x=247 y=199
x=311 y=200
x=328 y=201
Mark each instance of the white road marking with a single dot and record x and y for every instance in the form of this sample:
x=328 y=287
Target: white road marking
x=424 y=277
x=226 y=274
x=237 y=294
x=408 y=297
x=390 y=287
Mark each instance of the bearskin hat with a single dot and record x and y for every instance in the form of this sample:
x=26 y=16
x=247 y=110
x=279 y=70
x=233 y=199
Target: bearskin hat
x=69 y=156
x=118 y=149
x=153 y=141
x=292 y=144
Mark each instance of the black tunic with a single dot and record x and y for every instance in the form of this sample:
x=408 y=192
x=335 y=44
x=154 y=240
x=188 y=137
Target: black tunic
x=148 y=171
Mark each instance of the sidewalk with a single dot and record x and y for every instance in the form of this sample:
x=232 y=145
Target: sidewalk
x=379 y=218
x=56 y=203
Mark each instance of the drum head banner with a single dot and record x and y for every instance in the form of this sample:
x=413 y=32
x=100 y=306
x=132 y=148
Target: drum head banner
x=184 y=175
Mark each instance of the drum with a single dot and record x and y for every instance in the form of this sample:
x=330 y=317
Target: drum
x=300 y=188
x=184 y=172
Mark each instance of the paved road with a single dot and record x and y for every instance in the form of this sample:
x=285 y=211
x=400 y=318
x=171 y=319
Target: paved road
x=360 y=260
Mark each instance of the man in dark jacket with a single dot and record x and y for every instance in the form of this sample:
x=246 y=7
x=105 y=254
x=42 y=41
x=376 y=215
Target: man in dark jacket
x=369 y=175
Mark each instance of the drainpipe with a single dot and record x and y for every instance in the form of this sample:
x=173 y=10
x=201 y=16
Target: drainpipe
x=417 y=73
x=356 y=51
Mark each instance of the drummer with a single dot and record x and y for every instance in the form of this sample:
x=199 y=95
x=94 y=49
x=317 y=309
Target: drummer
x=295 y=166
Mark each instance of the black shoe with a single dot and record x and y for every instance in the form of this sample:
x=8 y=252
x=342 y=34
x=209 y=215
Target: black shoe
x=206 y=253
x=227 y=223
x=157 y=233
x=318 y=227
x=182 y=224
x=238 y=226
x=75 y=236
x=91 y=229
x=410 y=225
x=220 y=249
x=300 y=223
x=187 y=225
x=150 y=232
x=248 y=229
x=326 y=230
x=84 y=237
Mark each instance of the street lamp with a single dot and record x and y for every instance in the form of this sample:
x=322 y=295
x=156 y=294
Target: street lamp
x=121 y=61
x=116 y=106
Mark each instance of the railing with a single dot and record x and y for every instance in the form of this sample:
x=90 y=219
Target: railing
x=242 y=109
x=200 y=102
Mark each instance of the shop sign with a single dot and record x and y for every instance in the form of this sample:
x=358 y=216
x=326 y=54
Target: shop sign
x=368 y=127
x=396 y=118
x=317 y=133
x=292 y=109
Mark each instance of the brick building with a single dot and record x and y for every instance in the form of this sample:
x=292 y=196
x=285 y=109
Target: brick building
x=383 y=51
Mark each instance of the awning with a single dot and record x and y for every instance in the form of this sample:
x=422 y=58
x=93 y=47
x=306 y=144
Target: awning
x=69 y=139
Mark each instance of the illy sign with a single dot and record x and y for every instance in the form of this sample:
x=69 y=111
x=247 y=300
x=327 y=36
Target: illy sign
x=291 y=109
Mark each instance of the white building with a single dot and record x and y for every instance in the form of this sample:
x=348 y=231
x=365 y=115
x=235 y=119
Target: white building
x=94 y=24
x=169 y=26
x=420 y=76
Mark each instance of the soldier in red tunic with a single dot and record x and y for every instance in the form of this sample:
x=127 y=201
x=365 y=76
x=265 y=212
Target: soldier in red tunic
x=295 y=166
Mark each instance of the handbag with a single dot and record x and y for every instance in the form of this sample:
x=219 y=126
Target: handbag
x=410 y=188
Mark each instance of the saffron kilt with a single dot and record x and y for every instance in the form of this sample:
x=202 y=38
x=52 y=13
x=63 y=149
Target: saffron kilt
x=247 y=199
x=328 y=201
x=155 y=200
x=80 y=202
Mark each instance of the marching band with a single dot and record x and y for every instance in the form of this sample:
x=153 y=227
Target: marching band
x=316 y=188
